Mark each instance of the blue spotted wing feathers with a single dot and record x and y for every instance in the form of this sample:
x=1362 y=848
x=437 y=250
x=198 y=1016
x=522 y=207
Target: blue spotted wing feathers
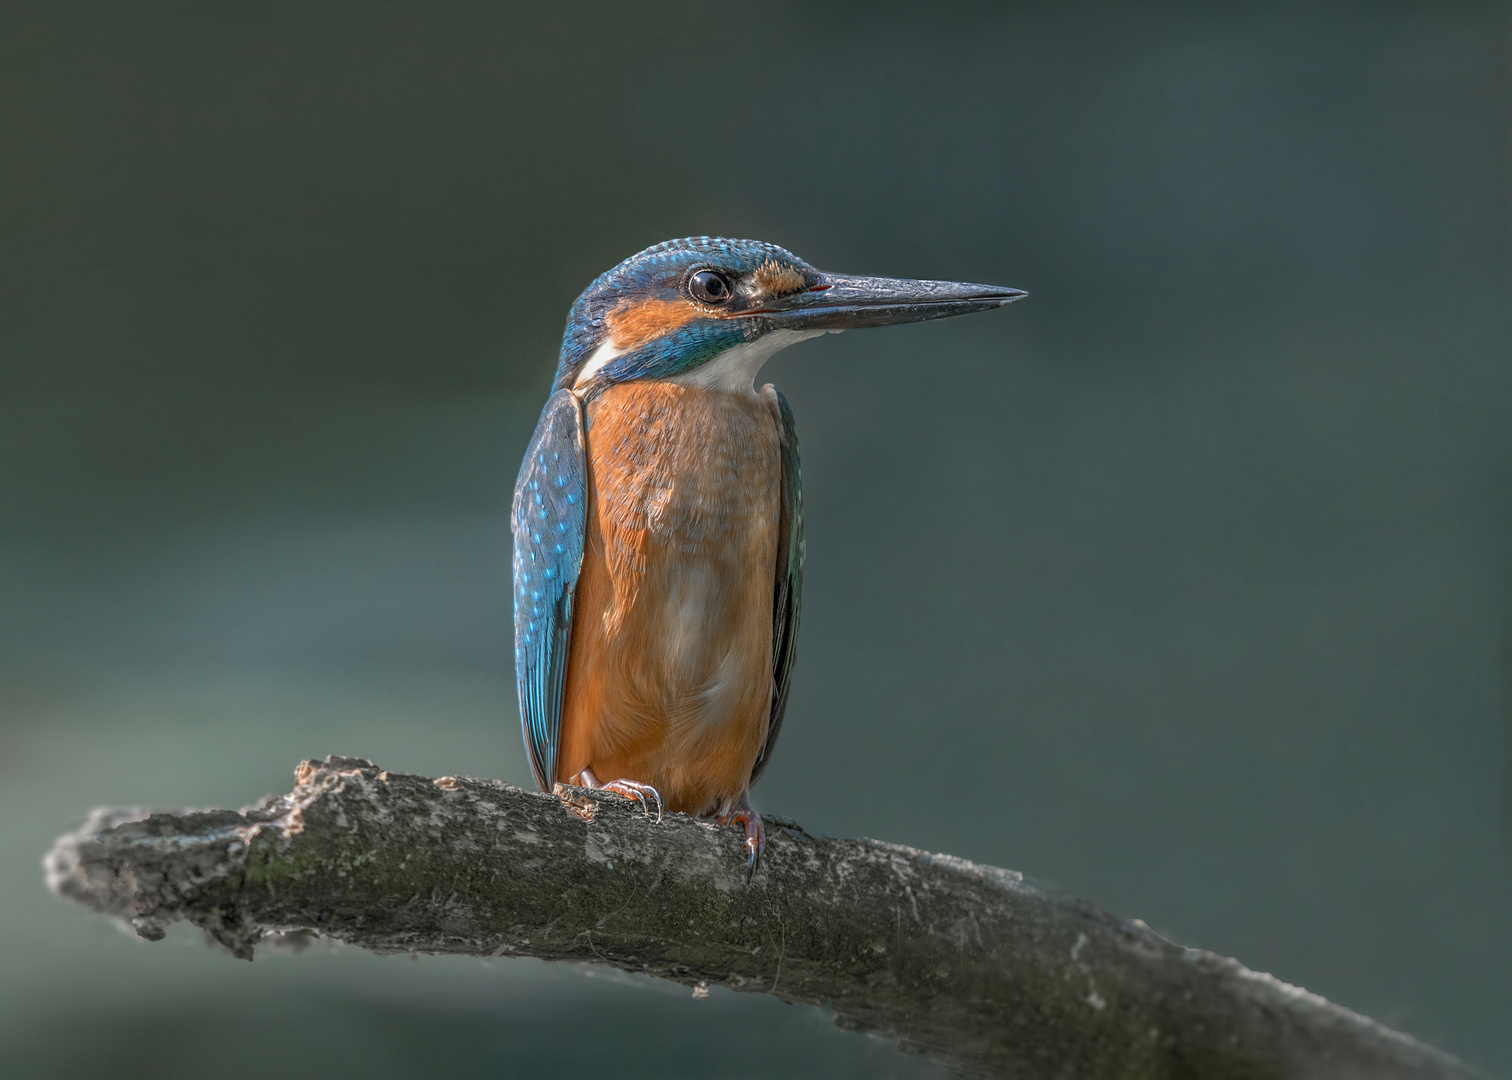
x=549 y=519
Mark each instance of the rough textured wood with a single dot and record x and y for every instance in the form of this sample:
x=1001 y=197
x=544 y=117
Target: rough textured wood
x=976 y=966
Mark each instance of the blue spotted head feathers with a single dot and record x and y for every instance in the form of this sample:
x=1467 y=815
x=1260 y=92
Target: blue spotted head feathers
x=673 y=307
x=711 y=311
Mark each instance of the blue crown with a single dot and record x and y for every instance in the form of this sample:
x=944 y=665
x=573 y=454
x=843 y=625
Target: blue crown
x=660 y=267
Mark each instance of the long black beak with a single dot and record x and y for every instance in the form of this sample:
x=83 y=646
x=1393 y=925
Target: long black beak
x=843 y=302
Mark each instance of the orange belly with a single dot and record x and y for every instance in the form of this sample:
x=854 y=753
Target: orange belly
x=669 y=680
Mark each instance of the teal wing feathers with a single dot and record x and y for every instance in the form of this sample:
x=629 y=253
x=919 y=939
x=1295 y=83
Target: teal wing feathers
x=549 y=520
x=787 y=592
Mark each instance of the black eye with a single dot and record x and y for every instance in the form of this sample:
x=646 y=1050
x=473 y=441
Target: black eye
x=709 y=287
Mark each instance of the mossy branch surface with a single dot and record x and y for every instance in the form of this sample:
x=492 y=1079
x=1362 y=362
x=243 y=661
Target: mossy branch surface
x=978 y=967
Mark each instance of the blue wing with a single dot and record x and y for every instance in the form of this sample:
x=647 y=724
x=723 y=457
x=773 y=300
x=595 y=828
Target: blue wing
x=787 y=592
x=550 y=513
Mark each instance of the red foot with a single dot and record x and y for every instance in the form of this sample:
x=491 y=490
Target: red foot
x=741 y=813
x=630 y=789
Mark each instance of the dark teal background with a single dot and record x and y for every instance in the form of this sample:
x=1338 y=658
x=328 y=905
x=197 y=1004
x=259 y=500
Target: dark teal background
x=1181 y=584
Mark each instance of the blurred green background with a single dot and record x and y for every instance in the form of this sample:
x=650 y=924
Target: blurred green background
x=1182 y=585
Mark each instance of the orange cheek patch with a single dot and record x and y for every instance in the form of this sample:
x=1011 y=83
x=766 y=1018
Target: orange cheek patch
x=637 y=323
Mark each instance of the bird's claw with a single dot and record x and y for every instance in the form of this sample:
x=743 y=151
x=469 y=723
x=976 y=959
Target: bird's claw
x=634 y=789
x=630 y=789
x=743 y=814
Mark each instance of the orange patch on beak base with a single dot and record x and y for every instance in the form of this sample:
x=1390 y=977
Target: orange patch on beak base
x=778 y=280
x=632 y=325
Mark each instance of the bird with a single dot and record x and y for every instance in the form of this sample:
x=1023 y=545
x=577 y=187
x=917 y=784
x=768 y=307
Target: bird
x=658 y=521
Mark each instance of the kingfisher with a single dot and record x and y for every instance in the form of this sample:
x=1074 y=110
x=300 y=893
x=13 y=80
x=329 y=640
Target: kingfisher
x=658 y=521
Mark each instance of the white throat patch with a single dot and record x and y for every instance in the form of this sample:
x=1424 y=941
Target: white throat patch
x=736 y=367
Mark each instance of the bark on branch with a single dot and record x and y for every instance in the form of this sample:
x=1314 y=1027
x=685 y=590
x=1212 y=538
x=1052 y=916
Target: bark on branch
x=976 y=966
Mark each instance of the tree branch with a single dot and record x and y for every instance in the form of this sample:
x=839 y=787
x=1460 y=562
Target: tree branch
x=975 y=966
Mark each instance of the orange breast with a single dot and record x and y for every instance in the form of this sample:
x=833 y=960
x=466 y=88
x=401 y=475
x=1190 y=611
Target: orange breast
x=669 y=680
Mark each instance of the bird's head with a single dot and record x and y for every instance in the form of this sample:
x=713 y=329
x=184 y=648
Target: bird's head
x=711 y=311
